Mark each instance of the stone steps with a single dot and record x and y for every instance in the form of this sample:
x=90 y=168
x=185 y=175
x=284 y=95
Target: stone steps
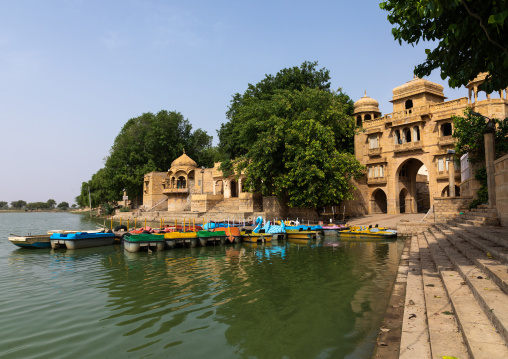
x=457 y=288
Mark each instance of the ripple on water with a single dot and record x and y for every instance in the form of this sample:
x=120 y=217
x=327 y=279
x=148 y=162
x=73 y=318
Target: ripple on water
x=227 y=302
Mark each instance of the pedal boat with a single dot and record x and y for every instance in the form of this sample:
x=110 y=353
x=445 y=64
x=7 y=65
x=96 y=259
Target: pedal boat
x=81 y=240
x=135 y=242
x=252 y=237
x=364 y=231
x=211 y=237
x=186 y=239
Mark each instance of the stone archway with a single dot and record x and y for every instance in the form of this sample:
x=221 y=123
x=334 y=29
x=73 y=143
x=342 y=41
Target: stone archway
x=234 y=190
x=446 y=191
x=406 y=186
x=219 y=187
x=379 y=201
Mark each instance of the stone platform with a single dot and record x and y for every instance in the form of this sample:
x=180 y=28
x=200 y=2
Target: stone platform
x=456 y=300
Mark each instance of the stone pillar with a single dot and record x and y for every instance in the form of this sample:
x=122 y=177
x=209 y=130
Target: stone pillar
x=488 y=135
x=451 y=178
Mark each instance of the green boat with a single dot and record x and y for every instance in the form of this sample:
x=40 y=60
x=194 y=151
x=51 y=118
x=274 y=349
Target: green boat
x=135 y=242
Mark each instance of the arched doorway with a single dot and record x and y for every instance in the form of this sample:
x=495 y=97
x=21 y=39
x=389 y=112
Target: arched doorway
x=446 y=191
x=408 y=176
x=234 y=186
x=219 y=187
x=402 y=200
x=379 y=201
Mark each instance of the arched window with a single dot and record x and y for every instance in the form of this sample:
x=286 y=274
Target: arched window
x=409 y=106
x=373 y=141
x=398 y=139
x=368 y=117
x=416 y=133
x=446 y=129
x=359 y=120
x=407 y=134
x=173 y=182
x=181 y=182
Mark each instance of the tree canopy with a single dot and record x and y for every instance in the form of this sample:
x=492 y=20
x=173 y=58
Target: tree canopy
x=295 y=142
x=471 y=37
x=468 y=131
x=146 y=143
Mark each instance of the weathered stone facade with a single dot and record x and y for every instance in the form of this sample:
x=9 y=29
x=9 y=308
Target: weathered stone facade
x=187 y=188
x=400 y=147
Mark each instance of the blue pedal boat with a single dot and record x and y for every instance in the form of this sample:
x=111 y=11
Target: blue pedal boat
x=81 y=240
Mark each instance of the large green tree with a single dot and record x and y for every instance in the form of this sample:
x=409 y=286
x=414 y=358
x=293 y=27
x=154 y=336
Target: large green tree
x=18 y=204
x=231 y=143
x=146 y=143
x=295 y=143
x=471 y=37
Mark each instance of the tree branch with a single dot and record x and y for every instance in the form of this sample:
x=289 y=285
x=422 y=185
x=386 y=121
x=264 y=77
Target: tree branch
x=483 y=27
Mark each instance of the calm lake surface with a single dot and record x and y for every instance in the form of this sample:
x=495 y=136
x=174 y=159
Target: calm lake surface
x=244 y=301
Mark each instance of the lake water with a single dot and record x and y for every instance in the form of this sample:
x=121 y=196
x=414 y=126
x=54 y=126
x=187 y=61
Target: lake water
x=244 y=301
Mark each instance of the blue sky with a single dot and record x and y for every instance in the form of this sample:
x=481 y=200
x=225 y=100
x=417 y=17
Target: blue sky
x=72 y=72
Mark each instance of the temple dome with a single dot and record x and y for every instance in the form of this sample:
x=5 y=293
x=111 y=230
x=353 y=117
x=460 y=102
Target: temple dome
x=184 y=161
x=366 y=104
x=417 y=86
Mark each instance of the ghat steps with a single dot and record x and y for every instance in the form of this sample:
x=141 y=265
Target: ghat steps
x=457 y=292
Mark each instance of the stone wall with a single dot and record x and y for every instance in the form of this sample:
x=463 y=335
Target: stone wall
x=446 y=208
x=469 y=188
x=501 y=176
x=410 y=228
x=205 y=202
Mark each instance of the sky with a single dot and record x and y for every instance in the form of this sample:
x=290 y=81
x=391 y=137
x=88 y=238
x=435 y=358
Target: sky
x=73 y=72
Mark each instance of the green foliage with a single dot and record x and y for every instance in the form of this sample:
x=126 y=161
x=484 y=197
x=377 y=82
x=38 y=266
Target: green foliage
x=51 y=203
x=107 y=209
x=470 y=34
x=294 y=143
x=18 y=204
x=125 y=209
x=231 y=133
x=64 y=206
x=146 y=143
x=468 y=131
x=4 y=205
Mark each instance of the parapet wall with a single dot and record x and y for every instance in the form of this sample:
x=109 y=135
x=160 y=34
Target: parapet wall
x=501 y=177
x=446 y=208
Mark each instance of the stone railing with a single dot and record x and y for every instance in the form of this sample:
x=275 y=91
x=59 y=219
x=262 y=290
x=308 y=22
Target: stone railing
x=377 y=180
x=408 y=146
x=375 y=151
x=175 y=190
x=415 y=111
x=445 y=140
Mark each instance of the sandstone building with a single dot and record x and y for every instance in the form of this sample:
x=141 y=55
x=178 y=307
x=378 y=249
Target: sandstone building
x=187 y=188
x=406 y=151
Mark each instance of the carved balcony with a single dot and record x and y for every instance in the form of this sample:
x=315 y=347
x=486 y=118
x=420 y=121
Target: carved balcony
x=445 y=140
x=409 y=146
x=375 y=151
x=175 y=190
x=444 y=175
x=376 y=180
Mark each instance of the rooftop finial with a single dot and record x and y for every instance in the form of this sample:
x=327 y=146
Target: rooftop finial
x=184 y=151
x=365 y=92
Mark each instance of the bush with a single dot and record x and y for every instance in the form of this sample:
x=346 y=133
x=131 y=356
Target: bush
x=107 y=209
x=125 y=209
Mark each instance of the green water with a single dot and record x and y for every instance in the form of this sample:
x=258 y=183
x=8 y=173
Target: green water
x=244 y=301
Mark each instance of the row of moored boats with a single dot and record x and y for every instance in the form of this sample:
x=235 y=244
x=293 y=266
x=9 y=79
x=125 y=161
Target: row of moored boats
x=146 y=238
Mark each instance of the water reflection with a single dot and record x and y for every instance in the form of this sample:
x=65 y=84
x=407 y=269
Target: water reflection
x=280 y=299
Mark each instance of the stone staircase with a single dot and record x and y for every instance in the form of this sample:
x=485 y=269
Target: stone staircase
x=481 y=216
x=457 y=292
